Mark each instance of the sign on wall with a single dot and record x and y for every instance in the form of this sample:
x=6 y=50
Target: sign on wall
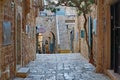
x=82 y=33
x=27 y=29
x=69 y=21
x=41 y=30
x=6 y=33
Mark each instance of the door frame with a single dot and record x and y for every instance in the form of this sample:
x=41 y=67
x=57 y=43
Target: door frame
x=18 y=15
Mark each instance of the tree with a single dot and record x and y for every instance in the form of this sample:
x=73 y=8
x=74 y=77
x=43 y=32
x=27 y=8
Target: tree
x=82 y=7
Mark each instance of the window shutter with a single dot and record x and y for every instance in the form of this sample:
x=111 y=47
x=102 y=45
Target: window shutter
x=95 y=26
x=90 y=31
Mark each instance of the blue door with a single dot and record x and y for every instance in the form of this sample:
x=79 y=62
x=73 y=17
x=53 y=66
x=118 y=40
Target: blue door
x=90 y=32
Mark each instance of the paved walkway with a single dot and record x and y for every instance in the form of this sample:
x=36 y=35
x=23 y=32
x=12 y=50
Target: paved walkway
x=62 y=67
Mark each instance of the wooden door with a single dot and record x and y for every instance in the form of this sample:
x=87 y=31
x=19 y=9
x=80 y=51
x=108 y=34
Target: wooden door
x=115 y=37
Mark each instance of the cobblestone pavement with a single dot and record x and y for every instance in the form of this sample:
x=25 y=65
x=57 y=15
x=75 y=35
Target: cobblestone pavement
x=62 y=67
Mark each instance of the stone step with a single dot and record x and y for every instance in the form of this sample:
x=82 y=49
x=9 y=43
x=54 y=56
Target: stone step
x=18 y=79
x=22 y=79
x=64 y=51
x=23 y=72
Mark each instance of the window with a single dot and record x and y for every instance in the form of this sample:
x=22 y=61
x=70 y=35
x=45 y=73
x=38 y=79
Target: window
x=6 y=33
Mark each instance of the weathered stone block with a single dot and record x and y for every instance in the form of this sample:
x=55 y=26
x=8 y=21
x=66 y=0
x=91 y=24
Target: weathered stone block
x=23 y=72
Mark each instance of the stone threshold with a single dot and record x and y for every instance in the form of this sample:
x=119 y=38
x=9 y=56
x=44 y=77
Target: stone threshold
x=112 y=75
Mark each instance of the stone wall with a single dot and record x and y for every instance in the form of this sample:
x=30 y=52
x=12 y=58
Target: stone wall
x=48 y=23
x=76 y=36
x=103 y=57
x=7 y=52
x=84 y=47
x=101 y=40
x=65 y=27
x=94 y=36
x=29 y=36
x=63 y=34
x=103 y=36
x=9 y=12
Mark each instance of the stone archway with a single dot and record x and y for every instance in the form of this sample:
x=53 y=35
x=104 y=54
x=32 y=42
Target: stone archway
x=52 y=42
x=18 y=42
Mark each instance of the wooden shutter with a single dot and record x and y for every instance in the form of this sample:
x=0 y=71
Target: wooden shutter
x=90 y=31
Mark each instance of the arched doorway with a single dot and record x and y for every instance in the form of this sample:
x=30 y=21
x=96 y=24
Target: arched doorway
x=39 y=43
x=52 y=42
x=18 y=42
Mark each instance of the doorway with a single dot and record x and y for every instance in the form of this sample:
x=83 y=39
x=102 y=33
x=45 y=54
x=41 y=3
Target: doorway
x=53 y=42
x=115 y=37
x=18 y=42
x=71 y=40
x=39 y=43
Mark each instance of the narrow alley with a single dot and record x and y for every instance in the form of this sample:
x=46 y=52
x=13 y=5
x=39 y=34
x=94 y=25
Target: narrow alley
x=62 y=67
x=59 y=39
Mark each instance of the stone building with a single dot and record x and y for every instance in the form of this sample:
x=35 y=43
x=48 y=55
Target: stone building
x=7 y=41
x=91 y=30
x=28 y=38
x=63 y=24
x=17 y=35
x=67 y=25
x=48 y=24
x=108 y=58
x=105 y=37
x=67 y=29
